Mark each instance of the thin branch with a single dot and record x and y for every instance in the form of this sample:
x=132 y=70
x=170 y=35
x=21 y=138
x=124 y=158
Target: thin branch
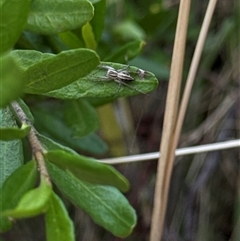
x=36 y=146
x=179 y=152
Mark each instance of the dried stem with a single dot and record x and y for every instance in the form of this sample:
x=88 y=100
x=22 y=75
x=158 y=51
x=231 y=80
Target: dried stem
x=193 y=69
x=166 y=163
x=171 y=134
x=36 y=146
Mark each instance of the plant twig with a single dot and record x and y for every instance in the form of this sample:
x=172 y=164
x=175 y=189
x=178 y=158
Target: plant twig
x=36 y=146
x=179 y=152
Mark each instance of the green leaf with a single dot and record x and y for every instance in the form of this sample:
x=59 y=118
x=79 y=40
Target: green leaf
x=32 y=203
x=57 y=71
x=51 y=17
x=92 y=143
x=11 y=80
x=58 y=224
x=71 y=40
x=97 y=22
x=13 y=19
x=93 y=85
x=104 y=204
x=28 y=58
x=127 y=52
x=81 y=117
x=129 y=30
x=88 y=169
x=57 y=45
x=16 y=185
x=49 y=144
x=54 y=121
x=8 y=134
x=88 y=36
x=11 y=155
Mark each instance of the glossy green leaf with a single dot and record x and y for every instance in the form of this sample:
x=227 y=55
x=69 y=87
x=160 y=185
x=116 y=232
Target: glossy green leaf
x=81 y=117
x=88 y=169
x=51 y=17
x=8 y=134
x=15 y=186
x=94 y=85
x=11 y=80
x=57 y=71
x=13 y=19
x=11 y=155
x=88 y=36
x=59 y=226
x=127 y=52
x=53 y=122
x=105 y=205
x=32 y=203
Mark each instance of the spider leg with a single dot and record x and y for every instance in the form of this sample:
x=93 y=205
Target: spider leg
x=106 y=67
x=105 y=78
x=124 y=68
x=129 y=86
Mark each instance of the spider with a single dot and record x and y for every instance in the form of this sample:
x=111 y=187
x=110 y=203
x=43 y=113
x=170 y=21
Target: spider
x=120 y=76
